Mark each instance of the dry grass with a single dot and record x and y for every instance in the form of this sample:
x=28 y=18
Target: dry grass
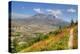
x=52 y=43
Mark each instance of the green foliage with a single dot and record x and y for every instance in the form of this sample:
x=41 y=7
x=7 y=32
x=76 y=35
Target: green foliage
x=22 y=46
x=17 y=47
x=40 y=36
x=76 y=23
x=72 y=22
x=14 y=44
x=60 y=27
x=17 y=34
x=60 y=45
x=55 y=32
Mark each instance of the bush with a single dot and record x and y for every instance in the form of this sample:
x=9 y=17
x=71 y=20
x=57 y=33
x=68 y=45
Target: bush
x=40 y=36
x=17 y=34
x=55 y=32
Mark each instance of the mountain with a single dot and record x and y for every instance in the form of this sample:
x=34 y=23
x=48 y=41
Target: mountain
x=39 y=23
x=43 y=19
x=46 y=19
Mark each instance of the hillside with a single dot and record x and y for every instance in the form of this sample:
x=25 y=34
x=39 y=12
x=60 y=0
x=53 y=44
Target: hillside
x=57 y=40
x=42 y=32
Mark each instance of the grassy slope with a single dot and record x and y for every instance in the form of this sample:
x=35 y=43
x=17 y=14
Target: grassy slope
x=54 y=42
x=75 y=34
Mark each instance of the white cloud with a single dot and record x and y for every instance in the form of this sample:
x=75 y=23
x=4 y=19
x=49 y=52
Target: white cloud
x=71 y=10
x=38 y=10
x=54 y=12
x=18 y=15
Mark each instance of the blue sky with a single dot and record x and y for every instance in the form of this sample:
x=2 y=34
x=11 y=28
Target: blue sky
x=26 y=9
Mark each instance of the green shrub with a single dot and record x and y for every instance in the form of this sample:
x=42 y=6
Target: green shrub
x=17 y=34
x=55 y=32
x=60 y=45
x=40 y=36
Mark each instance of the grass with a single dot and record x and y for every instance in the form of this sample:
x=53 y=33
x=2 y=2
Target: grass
x=54 y=40
x=75 y=41
x=57 y=42
x=60 y=45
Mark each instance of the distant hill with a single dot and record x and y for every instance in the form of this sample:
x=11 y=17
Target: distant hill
x=42 y=19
